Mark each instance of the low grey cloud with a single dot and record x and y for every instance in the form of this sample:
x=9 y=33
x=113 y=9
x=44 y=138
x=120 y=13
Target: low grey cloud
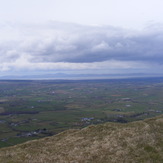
x=56 y=42
x=96 y=46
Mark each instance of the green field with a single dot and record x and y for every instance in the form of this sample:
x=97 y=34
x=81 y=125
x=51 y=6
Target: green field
x=33 y=109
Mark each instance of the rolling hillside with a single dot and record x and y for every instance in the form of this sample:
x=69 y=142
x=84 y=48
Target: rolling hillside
x=135 y=142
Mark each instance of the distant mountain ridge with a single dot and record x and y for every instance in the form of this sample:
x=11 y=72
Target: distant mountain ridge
x=78 y=76
x=140 y=141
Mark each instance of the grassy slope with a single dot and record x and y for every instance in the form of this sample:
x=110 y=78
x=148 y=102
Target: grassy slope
x=134 y=142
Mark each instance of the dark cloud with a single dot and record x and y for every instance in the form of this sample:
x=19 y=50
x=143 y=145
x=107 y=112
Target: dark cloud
x=96 y=44
x=73 y=43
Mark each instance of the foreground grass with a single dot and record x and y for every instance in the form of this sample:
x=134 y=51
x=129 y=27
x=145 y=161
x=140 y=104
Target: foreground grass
x=134 y=142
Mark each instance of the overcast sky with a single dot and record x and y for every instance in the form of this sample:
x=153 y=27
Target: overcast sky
x=81 y=36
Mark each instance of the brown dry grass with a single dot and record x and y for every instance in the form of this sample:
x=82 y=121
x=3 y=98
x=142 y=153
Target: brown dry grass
x=137 y=142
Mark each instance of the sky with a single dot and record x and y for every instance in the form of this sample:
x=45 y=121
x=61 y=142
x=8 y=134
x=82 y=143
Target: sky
x=81 y=37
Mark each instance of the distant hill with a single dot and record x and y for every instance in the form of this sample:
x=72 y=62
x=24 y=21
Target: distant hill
x=136 y=142
x=78 y=76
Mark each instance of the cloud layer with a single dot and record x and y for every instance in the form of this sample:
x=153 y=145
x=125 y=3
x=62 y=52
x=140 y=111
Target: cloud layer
x=62 y=46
